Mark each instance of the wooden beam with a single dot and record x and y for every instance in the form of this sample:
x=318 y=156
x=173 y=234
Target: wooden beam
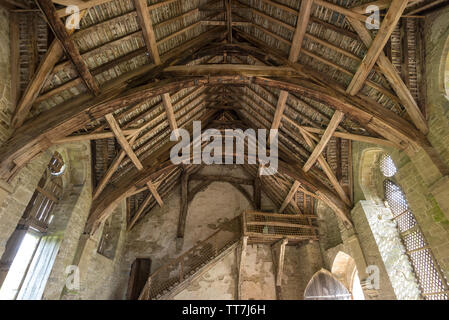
x=135 y=134
x=151 y=44
x=92 y=3
x=13 y=4
x=381 y=4
x=295 y=48
x=14 y=58
x=224 y=23
x=230 y=70
x=291 y=194
x=228 y=4
x=170 y=113
x=52 y=56
x=333 y=125
x=390 y=21
x=108 y=174
x=122 y=141
x=67 y=43
x=301 y=28
x=142 y=207
x=342 y=10
x=280 y=247
x=327 y=170
x=426 y=6
x=71 y=116
x=155 y=164
x=198 y=188
x=257 y=194
x=355 y=137
x=396 y=82
x=183 y=211
x=145 y=204
x=153 y=190
x=280 y=107
x=229 y=179
x=147 y=29
x=110 y=45
x=92 y=136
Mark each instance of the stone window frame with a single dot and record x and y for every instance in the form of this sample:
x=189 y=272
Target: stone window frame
x=37 y=216
x=418 y=251
x=383 y=228
x=344 y=268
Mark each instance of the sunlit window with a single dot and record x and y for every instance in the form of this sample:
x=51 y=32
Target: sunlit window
x=432 y=282
x=13 y=280
x=387 y=166
x=357 y=291
x=33 y=225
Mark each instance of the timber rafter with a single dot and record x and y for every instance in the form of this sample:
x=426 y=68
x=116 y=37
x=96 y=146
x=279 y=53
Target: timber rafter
x=234 y=64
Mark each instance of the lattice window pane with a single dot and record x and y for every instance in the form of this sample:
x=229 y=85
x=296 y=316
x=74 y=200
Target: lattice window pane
x=395 y=198
x=426 y=271
x=434 y=286
x=414 y=241
x=443 y=296
x=406 y=221
x=387 y=166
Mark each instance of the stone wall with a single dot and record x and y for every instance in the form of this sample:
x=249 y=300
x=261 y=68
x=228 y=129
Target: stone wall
x=70 y=213
x=437 y=51
x=218 y=283
x=6 y=105
x=155 y=235
x=102 y=282
x=398 y=270
x=258 y=276
x=301 y=263
x=360 y=244
x=425 y=187
x=417 y=186
x=17 y=194
x=328 y=228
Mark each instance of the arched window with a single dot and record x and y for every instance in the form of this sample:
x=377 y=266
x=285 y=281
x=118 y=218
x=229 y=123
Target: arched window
x=345 y=270
x=432 y=282
x=22 y=246
x=324 y=286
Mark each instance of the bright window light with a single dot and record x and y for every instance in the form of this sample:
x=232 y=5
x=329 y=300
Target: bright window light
x=11 y=285
x=357 y=291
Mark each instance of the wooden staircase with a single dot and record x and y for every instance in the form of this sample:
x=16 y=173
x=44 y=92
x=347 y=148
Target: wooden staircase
x=174 y=276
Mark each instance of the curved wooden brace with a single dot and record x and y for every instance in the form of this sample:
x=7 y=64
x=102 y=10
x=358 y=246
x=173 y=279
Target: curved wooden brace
x=38 y=134
x=159 y=163
x=112 y=195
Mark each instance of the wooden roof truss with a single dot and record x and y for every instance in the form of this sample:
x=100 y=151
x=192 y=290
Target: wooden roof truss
x=137 y=70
